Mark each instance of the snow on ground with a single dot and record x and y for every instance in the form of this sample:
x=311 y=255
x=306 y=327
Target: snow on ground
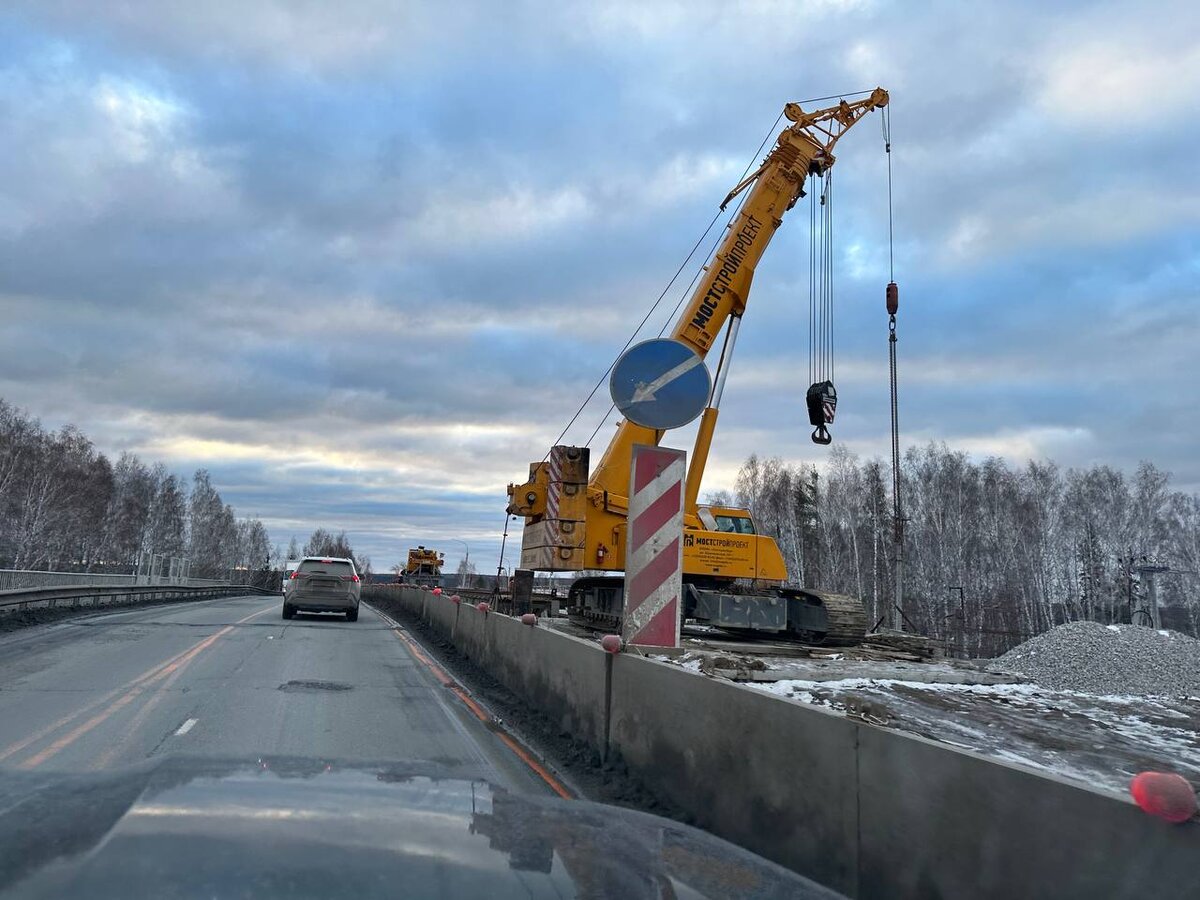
x=1097 y=739
x=1088 y=702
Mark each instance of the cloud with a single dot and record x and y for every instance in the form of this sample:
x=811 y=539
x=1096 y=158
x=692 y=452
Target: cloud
x=365 y=262
x=1126 y=80
x=511 y=217
x=307 y=37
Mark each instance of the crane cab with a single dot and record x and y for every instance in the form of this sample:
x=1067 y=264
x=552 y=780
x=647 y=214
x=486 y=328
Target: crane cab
x=727 y=546
x=726 y=518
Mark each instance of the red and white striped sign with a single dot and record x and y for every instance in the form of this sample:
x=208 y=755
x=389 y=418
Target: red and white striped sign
x=654 y=554
x=554 y=484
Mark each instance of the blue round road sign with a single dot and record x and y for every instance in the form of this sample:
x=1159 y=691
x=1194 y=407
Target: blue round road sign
x=660 y=384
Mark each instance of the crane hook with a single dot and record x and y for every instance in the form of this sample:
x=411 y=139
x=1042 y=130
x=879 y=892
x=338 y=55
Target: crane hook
x=821 y=400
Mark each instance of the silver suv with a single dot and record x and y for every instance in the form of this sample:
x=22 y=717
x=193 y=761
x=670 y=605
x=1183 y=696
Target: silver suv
x=323 y=584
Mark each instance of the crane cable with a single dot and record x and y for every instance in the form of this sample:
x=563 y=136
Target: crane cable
x=893 y=306
x=654 y=306
x=687 y=292
x=682 y=298
x=821 y=398
x=646 y=318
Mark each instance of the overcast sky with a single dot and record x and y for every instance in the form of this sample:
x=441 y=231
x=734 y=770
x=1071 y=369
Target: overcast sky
x=363 y=260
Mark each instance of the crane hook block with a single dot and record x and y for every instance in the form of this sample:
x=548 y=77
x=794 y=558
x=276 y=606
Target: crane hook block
x=893 y=298
x=822 y=405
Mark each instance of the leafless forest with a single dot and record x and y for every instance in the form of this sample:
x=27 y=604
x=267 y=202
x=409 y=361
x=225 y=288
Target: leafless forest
x=993 y=553
x=64 y=506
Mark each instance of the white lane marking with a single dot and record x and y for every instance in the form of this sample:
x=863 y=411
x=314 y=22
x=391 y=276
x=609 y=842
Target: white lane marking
x=644 y=392
x=187 y=726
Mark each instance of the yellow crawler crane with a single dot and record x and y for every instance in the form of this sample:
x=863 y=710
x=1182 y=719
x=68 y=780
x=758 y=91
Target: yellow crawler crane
x=734 y=578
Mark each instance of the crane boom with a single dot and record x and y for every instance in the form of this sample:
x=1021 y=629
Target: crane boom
x=577 y=520
x=803 y=148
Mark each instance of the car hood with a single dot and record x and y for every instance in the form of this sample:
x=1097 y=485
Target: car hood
x=311 y=828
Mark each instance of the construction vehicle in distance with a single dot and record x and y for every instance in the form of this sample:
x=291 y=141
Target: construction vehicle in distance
x=424 y=567
x=733 y=577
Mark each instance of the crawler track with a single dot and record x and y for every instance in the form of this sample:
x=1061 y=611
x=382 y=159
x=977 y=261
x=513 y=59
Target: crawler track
x=595 y=603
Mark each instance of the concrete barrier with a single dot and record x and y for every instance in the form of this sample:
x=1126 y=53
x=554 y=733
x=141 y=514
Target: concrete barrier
x=443 y=615
x=869 y=811
x=563 y=677
x=471 y=634
x=935 y=821
x=746 y=766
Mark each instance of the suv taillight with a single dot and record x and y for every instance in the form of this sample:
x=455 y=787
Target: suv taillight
x=296 y=575
x=354 y=578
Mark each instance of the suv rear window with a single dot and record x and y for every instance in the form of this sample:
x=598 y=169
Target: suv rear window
x=316 y=567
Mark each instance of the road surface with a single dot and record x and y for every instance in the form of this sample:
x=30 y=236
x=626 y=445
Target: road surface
x=230 y=678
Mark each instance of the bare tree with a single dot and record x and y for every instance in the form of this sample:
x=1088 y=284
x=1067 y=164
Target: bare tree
x=994 y=553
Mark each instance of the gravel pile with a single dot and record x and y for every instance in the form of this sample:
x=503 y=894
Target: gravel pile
x=1109 y=659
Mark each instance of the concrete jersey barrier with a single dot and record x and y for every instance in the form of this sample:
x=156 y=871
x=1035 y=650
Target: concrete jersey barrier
x=869 y=811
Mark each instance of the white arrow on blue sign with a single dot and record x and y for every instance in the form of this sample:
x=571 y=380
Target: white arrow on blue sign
x=660 y=384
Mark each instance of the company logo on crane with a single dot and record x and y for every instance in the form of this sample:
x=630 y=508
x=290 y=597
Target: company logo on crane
x=729 y=268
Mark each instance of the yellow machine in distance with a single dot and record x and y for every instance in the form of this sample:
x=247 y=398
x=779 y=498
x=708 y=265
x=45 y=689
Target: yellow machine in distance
x=424 y=567
x=576 y=519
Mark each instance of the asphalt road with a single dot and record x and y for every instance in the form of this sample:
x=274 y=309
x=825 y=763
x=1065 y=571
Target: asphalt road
x=230 y=678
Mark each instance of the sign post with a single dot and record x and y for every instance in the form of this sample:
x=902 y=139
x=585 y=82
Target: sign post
x=659 y=384
x=654 y=552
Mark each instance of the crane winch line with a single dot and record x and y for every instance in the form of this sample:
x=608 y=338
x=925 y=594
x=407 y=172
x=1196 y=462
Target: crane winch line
x=665 y=290
x=892 y=299
x=821 y=397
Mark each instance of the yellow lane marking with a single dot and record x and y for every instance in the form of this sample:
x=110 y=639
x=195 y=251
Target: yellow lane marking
x=125 y=694
x=459 y=691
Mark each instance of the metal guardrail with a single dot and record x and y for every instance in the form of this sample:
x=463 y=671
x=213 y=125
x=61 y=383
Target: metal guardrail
x=14 y=579
x=73 y=597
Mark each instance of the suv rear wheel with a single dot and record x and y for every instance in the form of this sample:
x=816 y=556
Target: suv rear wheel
x=352 y=615
x=288 y=612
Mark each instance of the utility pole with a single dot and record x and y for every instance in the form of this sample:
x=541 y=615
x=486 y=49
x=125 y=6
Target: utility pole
x=1129 y=583
x=1148 y=571
x=962 y=619
x=465 y=579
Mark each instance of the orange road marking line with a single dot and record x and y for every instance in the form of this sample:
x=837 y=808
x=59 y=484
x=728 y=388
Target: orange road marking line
x=20 y=745
x=140 y=716
x=132 y=688
x=553 y=782
x=459 y=691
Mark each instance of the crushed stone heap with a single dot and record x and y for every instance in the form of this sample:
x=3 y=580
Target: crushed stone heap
x=1109 y=659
